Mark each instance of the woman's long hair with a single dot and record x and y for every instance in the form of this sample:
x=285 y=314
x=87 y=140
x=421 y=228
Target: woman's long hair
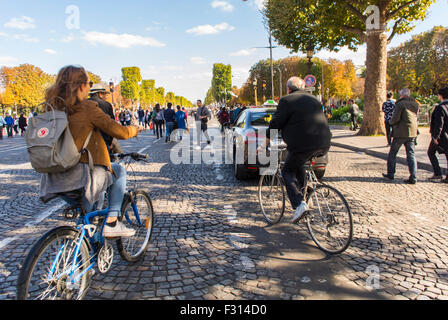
x=63 y=94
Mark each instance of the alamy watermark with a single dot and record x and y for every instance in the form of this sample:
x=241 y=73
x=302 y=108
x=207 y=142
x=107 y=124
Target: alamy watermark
x=225 y=149
x=73 y=21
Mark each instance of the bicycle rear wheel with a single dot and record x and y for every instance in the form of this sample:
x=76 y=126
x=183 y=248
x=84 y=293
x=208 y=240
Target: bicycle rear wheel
x=329 y=220
x=45 y=274
x=271 y=195
x=138 y=214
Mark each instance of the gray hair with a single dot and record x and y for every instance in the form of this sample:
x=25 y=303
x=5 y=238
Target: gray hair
x=405 y=92
x=296 y=83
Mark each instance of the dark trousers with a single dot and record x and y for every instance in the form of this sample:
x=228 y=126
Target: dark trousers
x=388 y=132
x=432 y=154
x=409 y=144
x=159 y=128
x=1 y=132
x=9 y=128
x=294 y=174
x=354 y=121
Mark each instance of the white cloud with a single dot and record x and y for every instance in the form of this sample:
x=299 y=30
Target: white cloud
x=121 y=40
x=198 y=60
x=68 y=39
x=260 y=4
x=243 y=53
x=210 y=30
x=8 y=61
x=26 y=38
x=50 y=51
x=21 y=23
x=223 y=5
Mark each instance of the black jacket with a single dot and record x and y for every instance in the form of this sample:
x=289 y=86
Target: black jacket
x=109 y=110
x=439 y=125
x=302 y=123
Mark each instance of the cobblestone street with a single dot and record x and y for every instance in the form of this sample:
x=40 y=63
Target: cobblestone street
x=211 y=241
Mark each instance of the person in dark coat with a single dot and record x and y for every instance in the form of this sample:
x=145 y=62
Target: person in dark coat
x=22 y=124
x=305 y=130
x=404 y=132
x=439 y=134
x=98 y=94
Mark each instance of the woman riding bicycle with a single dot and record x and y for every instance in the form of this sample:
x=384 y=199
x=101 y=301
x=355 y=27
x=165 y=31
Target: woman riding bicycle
x=69 y=94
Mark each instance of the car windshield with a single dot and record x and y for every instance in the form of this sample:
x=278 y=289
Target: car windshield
x=262 y=118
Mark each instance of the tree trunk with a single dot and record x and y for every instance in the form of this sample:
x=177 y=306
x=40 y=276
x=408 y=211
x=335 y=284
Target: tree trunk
x=375 y=86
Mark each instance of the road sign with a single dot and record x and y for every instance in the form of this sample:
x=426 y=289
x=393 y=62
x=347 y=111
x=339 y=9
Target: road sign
x=310 y=81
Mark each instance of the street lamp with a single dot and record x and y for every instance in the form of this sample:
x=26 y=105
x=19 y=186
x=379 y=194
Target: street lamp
x=255 y=83
x=310 y=54
x=281 y=84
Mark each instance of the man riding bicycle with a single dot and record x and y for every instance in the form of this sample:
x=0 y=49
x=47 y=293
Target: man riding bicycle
x=305 y=130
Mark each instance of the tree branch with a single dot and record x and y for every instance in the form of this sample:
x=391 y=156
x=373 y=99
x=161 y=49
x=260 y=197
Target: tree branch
x=359 y=32
x=358 y=13
x=392 y=14
x=394 y=30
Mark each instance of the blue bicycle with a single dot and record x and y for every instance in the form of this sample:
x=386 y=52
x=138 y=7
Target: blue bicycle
x=61 y=264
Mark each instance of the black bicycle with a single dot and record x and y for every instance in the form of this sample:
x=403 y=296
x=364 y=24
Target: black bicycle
x=329 y=219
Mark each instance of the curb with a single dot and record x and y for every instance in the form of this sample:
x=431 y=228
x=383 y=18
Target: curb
x=384 y=156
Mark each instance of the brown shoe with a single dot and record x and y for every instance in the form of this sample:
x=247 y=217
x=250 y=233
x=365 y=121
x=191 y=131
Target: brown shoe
x=434 y=178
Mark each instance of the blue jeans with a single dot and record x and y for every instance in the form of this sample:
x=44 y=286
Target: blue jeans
x=116 y=193
x=409 y=144
x=169 y=129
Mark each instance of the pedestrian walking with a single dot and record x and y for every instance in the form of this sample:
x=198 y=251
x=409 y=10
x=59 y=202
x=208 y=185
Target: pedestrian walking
x=388 y=109
x=181 y=121
x=439 y=134
x=141 y=116
x=122 y=117
x=16 y=124
x=224 y=118
x=160 y=119
x=2 y=125
x=169 y=116
x=202 y=117
x=128 y=118
x=404 y=132
x=22 y=124
x=9 y=125
x=354 y=113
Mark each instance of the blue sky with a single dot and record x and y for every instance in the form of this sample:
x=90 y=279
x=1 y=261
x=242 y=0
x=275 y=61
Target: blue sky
x=174 y=42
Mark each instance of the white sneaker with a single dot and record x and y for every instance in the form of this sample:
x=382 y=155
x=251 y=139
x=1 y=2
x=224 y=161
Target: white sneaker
x=300 y=211
x=197 y=148
x=119 y=231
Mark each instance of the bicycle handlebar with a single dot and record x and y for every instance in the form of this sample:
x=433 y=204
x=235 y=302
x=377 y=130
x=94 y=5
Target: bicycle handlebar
x=135 y=156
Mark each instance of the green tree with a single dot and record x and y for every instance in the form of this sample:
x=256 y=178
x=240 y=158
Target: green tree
x=130 y=85
x=421 y=63
x=24 y=85
x=148 y=93
x=170 y=98
x=221 y=81
x=160 y=96
x=326 y=24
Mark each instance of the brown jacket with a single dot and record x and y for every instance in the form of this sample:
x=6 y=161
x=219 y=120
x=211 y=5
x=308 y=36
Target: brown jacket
x=87 y=117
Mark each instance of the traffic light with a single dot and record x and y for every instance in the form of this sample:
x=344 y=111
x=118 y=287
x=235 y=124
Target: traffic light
x=264 y=84
x=111 y=87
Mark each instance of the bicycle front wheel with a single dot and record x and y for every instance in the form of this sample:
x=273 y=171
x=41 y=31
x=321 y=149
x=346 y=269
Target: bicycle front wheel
x=138 y=214
x=48 y=273
x=329 y=220
x=271 y=195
